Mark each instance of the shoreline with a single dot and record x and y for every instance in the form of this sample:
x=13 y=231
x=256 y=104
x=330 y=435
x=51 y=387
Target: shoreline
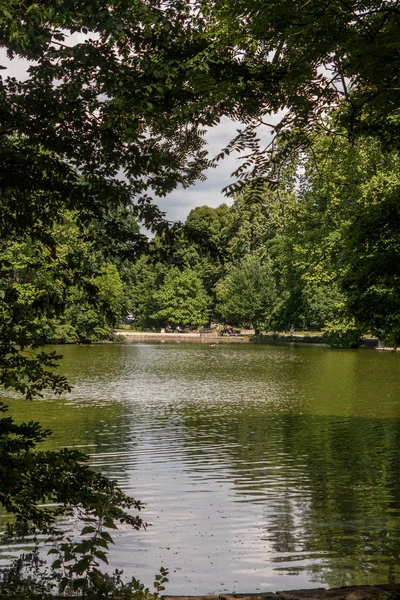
x=390 y=591
x=180 y=337
x=213 y=337
x=356 y=592
x=248 y=338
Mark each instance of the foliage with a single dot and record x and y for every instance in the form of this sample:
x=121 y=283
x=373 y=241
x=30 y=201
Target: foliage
x=373 y=278
x=181 y=299
x=37 y=487
x=143 y=80
x=147 y=277
x=136 y=85
x=42 y=288
x=31 y=578
x=360 y=204
x=248 y=293
x=308 y=59
x=324 y=250
x=22 y=581
x=204 y=229
x=342 y=333
x=91 y=318
x=329 y=234
x=246 y=228
x=330 y=239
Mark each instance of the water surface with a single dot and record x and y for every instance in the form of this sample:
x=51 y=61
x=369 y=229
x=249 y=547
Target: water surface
x=261 y=467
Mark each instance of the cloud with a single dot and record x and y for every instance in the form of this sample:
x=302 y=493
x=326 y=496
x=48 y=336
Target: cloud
x=179 y=203
x=16 y=67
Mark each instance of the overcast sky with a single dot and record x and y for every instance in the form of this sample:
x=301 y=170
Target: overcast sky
x=178 y=204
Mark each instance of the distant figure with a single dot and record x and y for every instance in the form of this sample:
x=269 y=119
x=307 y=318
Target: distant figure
x=228 y=330
x=292 y=330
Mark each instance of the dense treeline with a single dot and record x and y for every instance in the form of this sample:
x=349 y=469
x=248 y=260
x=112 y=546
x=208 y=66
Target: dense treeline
x=320 y=250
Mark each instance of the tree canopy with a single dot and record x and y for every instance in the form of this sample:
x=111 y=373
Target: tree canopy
x=307 y=60
x=128 y=87
x=324 y=245
x=248 y=293
x=181 y=300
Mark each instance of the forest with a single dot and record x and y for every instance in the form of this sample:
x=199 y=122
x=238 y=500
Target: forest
x=111 y=114
x=318 y=250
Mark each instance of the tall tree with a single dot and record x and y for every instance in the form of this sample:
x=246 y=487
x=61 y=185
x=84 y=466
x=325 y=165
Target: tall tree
x=372 y=280
x=181 y=300
x=337 y=237
x=248 y=293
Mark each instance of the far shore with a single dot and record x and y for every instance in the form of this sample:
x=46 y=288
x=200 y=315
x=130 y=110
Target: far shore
x=243 y=337
x=353 y=592
x=182 y=337
x=389 y=591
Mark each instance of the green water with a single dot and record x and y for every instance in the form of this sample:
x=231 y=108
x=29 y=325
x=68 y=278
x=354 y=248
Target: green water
x=262 y=468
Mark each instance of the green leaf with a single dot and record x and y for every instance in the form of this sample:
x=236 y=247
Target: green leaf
x=106 y=536
x=101 y=555
x=88 y=529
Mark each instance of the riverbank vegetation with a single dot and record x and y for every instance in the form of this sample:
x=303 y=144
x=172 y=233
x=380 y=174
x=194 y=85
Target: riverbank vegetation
x=113 y=111
x=319 y=250
x=297 y=254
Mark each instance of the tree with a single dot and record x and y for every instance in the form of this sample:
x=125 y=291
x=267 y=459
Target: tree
x=181 y=300
x=38 y=279
x=143 y=80
x=72 y=290
x=199 y=246
x=105 y=112
x=372 y=281
x=352 y=198
x=246 y=228
x=334 y=241
x=248 y=293
x=147 y=276
x=90 y=318
x=204 y=227
x=306 y=60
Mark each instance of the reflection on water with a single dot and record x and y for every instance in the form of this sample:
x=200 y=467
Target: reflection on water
x=262 y=468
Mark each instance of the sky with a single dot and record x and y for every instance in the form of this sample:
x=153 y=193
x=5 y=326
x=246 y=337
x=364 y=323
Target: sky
x=180 y=202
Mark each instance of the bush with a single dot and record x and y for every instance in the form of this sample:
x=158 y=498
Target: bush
x=342 y=334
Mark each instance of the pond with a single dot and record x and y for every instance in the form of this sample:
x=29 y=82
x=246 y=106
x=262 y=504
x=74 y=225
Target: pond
x=262 y=468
